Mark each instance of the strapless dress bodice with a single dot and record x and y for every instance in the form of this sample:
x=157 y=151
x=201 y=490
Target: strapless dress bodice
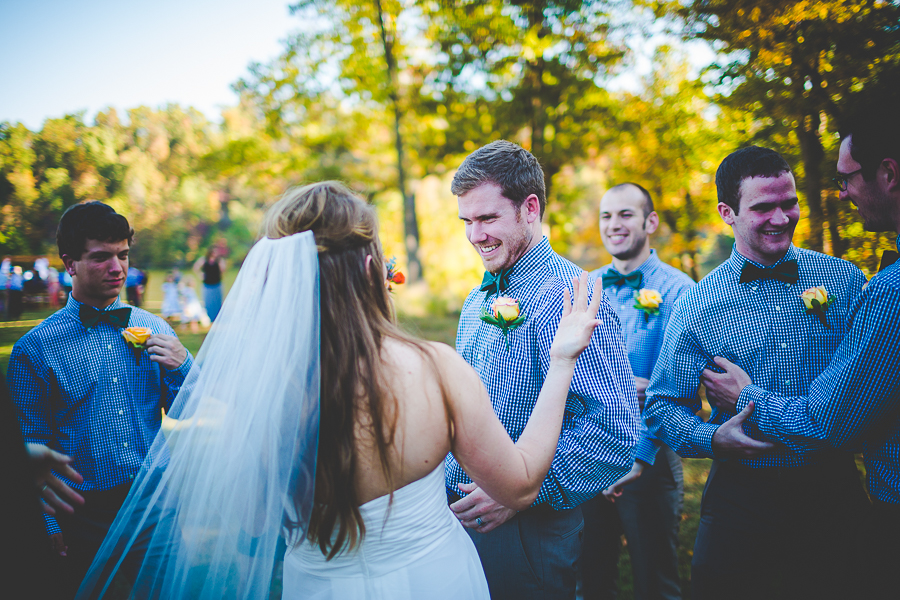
x=413 y=547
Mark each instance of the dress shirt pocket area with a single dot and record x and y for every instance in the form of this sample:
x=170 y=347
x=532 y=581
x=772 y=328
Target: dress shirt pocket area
x=821 y=348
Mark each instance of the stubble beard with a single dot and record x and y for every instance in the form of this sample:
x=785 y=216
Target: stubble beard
x=516 y=246
x=633 y=250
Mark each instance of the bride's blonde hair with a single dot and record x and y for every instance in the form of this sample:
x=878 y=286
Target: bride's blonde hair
x=356 y=318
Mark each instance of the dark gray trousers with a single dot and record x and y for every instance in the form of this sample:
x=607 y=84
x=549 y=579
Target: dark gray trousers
x=649 y=513
x=533 y=556
x=781 y=533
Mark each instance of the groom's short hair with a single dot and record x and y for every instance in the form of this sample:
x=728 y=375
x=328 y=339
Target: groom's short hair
x=505 y=164
x=90 y=221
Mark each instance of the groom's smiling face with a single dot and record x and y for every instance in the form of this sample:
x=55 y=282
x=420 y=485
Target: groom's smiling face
x=499 y=232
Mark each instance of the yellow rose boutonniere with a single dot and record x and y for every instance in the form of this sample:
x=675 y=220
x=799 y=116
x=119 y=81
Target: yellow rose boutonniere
x=648 y=301
x=136 y=337
x=504 y=314
x=816 y=300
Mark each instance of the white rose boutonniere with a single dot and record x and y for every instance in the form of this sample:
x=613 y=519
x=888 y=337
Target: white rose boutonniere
x=648 y=301
x=817 y=300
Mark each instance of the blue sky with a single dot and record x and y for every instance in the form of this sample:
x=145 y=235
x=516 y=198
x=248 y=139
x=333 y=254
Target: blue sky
x=60 y=57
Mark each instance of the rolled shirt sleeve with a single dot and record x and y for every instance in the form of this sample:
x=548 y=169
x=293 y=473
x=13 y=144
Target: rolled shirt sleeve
x=601 y=424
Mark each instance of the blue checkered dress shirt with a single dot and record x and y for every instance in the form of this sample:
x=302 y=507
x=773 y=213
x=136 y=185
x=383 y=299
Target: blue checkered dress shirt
x=644 y=336
x=856 y=399
x=600 y=424
x=763 y=327
x=82 y=392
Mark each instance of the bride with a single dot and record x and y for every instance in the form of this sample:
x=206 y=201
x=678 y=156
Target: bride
x=311 y=417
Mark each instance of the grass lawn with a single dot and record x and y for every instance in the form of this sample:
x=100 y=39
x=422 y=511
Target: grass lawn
x=443 y=329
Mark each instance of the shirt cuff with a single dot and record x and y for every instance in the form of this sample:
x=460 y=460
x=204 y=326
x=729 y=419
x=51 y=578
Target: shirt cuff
x=52 y=525
x=185 y=367
x=701 y=438
x=748 y=394
x=645 y=450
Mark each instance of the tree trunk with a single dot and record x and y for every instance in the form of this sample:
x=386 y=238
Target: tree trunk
x=690 y=234
x=224 y=199
x=838 y=244
x=813 y=154
x=410 y=221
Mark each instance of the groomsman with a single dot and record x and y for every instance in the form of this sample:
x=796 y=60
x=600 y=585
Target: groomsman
x=856 y=400
x=533 y=554
x=774 y=523
x=81 y=390
x=648 y=499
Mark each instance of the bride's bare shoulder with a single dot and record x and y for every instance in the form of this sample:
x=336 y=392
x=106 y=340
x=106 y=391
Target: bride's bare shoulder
x=410 y=357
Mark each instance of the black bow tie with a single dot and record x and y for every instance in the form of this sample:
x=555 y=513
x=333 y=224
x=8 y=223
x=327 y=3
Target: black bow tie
x=786 y=272
x=614 y=278
x=91 y=316
x=494 y=283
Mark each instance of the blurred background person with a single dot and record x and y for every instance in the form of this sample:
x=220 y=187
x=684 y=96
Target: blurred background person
x=16 y=283
x=192 y=312
x=210 y=269
x=135 y=282
x=171 y=303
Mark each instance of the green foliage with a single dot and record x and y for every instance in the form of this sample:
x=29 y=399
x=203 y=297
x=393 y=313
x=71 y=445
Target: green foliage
x=390 y=95
x=794 y=66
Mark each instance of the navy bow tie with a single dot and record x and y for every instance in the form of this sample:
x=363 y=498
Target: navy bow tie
x=91 y=316
x=495 y=283
x=614 y=278
x=786 y=272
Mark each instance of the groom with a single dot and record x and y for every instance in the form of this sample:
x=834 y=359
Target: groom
x=533 y=553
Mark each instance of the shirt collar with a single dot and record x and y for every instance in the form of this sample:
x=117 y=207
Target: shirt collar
x=651 y=264
x=73 y=306
x=737 y=260
x=530 y=262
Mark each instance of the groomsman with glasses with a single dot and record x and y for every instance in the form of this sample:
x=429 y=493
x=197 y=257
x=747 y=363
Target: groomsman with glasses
x=855 y=402
x=642 y=290
x=774 y=523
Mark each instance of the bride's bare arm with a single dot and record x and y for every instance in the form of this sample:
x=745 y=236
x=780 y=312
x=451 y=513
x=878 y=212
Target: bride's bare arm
x=511 y=473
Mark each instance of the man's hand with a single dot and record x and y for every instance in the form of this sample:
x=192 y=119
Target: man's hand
x=641 y=384
x=615 y=490
x=57 y=544
x=166 y=350
x=724 y=389
x=54 y=492
x=730 y=439
x=478 y=505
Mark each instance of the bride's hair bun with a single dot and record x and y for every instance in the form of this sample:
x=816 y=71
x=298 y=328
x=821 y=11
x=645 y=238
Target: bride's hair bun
x=339 y=219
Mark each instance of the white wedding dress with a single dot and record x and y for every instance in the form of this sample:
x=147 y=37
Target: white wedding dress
x=420 y=551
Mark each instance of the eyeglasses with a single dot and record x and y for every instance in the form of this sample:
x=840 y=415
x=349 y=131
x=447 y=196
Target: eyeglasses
x=841 y=181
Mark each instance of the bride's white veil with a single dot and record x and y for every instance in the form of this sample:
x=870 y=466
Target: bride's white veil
x=237 y=452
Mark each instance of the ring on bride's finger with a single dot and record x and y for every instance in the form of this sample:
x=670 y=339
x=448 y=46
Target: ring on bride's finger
x=479 y=522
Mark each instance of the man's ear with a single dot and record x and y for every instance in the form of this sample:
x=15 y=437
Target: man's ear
x=651 y=223
x=726 y=212
x=892 y=174
x=532 y=207
x=69 y=264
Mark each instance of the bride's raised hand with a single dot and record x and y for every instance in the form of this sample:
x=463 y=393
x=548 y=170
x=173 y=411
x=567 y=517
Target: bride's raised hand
x=579 y=319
